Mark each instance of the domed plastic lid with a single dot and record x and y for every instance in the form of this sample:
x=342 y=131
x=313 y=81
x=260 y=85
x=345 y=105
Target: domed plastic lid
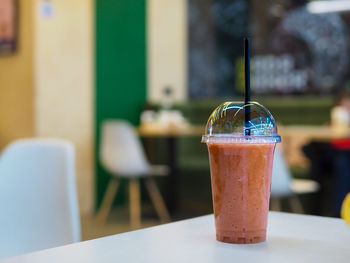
x=227 y=124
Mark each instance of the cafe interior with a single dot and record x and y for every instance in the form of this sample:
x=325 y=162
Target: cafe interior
x=103 y=105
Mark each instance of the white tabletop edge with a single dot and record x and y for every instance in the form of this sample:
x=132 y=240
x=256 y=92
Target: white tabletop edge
x=287 y=233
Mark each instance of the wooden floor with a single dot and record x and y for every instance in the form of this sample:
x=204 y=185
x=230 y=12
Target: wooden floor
x=118 y=222
x=118 y=219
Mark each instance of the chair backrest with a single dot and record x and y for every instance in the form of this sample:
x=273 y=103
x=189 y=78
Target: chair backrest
x=121 y=151
x=281 y=176
x=38 y=200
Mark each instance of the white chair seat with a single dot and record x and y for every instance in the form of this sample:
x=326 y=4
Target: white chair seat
x=153 y=170
x=283 y=185
x=159 y=170
x=304 y=186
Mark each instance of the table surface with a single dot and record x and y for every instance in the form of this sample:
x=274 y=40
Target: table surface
x=291 y=238
x=319 y=133
x=170 y=131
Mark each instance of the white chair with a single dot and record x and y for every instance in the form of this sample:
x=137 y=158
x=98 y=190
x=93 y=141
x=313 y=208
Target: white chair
x=122 y=155
x=283 y=185
x=38 y=201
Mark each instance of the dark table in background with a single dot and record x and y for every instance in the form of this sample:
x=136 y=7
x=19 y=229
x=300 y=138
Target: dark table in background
x=171 y=133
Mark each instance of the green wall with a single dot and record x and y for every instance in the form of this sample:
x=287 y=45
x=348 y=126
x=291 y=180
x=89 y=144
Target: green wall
x=120 y=68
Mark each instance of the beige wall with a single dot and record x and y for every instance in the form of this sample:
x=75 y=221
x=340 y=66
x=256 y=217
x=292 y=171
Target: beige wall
x=166 y=48
x=16 y=83
x=64 y=83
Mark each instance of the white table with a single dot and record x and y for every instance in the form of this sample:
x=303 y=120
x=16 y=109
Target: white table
x=291 y=238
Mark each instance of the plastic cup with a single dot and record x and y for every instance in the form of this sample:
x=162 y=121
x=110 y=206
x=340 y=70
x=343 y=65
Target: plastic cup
x=241 y=168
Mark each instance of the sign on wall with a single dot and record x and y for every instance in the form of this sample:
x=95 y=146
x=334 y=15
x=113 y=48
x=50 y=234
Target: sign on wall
x=295 y=50
x=8 y=26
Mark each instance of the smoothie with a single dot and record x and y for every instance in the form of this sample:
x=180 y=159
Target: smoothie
x=241 y=182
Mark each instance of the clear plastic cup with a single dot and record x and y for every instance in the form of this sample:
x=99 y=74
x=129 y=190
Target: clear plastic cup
x=241 y=157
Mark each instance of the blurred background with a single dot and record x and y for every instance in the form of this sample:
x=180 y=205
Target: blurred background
x=164 y=66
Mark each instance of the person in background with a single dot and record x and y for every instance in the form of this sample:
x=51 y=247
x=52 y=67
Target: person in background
x=340 y=121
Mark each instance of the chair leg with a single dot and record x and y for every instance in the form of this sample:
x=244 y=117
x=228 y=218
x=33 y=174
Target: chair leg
x=275 y=204
x=157 y=200
x=107 y=201
x=295 y=204
x=135 y=208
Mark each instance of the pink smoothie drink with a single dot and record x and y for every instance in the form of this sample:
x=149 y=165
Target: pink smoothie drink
x=241 y=179
x=240 y=168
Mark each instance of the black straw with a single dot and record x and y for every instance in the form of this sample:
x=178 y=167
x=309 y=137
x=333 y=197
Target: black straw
x=247 y=84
